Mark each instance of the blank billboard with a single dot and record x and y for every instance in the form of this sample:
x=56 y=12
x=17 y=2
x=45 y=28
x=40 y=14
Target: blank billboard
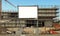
x=27 y=12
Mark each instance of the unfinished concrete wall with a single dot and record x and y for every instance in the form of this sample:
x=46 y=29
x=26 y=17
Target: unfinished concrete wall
x=48 y=23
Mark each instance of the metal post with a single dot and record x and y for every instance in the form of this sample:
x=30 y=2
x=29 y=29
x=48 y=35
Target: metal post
x=0 y=8
x=37 y=30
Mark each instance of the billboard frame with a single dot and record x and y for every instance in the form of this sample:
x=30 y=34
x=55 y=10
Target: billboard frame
x=27 y=6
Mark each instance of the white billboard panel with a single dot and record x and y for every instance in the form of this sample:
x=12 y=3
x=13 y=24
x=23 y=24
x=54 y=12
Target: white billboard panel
x=27 y=12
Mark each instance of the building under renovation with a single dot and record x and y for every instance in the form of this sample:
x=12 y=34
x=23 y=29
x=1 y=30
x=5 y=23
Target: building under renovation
x=45 y=19
x=9 y=20
x=10 y=23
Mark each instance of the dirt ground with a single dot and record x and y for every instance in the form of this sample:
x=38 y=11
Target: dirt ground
x=31 y=35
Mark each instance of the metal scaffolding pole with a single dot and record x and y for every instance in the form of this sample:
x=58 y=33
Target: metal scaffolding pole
x=0 y=8
x=10 y=3
x=37 y=30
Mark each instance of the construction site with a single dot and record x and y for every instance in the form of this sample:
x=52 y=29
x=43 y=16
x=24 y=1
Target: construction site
x=44 y=25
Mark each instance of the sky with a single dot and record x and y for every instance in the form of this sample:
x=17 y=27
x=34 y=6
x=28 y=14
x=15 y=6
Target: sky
x=6 y=6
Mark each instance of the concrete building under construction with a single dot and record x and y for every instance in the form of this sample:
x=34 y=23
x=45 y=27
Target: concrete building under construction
x=11 y=21
x=45 y=18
